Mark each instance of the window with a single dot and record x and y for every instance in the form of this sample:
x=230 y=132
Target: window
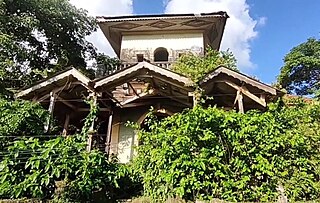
x=140 y=57
x=161 y=54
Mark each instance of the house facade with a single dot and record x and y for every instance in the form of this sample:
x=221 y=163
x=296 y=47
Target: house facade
x=147 y=46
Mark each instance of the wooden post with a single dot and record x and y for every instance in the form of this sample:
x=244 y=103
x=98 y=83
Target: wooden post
x=240 y=102
x=89 y=141
x=90 y=133
x=195 y=97
x=66 y=124
x=115 y=132
x=51 y=108
x=108 y=138
x=263 y=99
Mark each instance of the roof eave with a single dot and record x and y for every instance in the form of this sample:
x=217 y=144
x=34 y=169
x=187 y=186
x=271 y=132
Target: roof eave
x=59 y=76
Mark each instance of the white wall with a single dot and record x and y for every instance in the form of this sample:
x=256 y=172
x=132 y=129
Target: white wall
x=172 y=42
x=169 y=41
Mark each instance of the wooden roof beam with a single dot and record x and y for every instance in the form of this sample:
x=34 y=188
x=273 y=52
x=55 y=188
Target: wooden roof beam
x=246 y=92
x=175 y=99
x=60 y=99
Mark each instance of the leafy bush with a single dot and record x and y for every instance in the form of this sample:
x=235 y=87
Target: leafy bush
x=211 y=153
x=18 y=118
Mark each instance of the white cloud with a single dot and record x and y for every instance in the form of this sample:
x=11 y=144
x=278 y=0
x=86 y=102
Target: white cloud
x=240 y=27
x=104 y=8
x=262 y=21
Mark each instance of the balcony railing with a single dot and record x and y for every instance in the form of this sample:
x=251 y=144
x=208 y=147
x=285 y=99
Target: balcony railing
x=163 y=64
x=103 y=70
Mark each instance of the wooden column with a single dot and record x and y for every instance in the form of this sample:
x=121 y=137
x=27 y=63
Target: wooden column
x=195 y=97
x=115 y=132
x=240 y=101
x=108 y=138
x=91 y=132
x=50 y=109
x=66 y=124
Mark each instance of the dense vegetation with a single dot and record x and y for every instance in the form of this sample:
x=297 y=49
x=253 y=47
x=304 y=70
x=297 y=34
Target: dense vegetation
x=197 y=154
x=210 y=153
x=35 y=165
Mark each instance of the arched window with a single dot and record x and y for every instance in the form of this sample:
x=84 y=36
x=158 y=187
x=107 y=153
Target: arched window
x=161 y=54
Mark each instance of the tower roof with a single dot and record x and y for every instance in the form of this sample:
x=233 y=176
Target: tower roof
x=210 y=24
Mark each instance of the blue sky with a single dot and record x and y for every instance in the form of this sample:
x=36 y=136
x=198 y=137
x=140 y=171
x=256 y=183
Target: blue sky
x=259 y=32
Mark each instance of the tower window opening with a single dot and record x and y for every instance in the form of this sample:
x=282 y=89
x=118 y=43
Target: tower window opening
x=161 y=54
x=140 y=57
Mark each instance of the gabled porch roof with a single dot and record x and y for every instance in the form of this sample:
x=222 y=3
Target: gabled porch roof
x=142 y=69
x=59 y=81
x=229 y=87
x=162 y=82
x=222 y=71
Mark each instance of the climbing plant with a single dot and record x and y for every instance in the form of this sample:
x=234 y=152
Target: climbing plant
x=196 y=67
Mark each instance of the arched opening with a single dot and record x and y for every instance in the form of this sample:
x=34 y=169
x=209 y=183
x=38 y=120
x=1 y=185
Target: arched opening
x=161 y=54
x=158 y=114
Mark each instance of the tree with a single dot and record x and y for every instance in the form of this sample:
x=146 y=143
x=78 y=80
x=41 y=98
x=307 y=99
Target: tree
x=196 y=67
x=40 y=37
x=105 y=65
x=301 y=71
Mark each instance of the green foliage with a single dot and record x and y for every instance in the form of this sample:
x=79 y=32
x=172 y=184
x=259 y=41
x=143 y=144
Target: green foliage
x=41 y=37
x=29 y=168
x=33 y=167
x=300 y=73
x=211 y=153
x=196 y=67
x=20 y=118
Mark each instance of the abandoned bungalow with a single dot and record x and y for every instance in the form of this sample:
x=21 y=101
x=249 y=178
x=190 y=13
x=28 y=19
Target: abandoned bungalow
x=147 y=45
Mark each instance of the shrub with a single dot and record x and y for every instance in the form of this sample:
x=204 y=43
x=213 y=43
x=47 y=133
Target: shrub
x=19 y=118
x=210 y=153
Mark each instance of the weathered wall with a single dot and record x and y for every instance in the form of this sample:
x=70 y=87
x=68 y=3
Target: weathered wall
x=146 y=44
x=124 y=139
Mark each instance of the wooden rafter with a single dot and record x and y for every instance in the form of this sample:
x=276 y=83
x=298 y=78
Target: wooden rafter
x=113 y=98
x=149 y=93
x=136 y=104
x=166 y=81
x=135 y=92
x=246 y=92
x=175 y=99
